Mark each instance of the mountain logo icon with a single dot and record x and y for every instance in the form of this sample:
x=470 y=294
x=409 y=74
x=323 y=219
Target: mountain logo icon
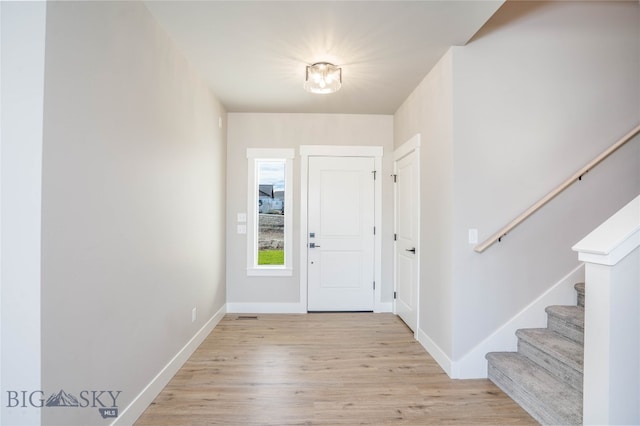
x=62 y=399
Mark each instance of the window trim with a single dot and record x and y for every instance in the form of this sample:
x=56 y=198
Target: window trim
x=253 y=156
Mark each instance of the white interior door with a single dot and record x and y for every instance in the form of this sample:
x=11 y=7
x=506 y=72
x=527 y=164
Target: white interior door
x=407 y=255
x=341 y=234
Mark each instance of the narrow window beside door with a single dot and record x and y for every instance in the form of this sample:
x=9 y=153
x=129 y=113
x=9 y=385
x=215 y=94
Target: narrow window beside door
x=270 y=177
x=269 y=207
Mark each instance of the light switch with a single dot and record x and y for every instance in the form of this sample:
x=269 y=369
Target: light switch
x=473 y=236
x=242 y=217
x=242 y=229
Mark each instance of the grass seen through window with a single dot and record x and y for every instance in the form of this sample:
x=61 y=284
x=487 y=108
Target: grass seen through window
x=271 y=257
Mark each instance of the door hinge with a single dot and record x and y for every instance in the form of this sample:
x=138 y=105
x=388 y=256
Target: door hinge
x=374 y=174
x=395 y=294
x=374 y=285
x=395 y=178
x=374 y=230
x=395 y=237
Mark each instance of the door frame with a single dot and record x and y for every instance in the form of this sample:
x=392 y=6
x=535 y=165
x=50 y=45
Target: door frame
x=307 y=151
x=412 y=145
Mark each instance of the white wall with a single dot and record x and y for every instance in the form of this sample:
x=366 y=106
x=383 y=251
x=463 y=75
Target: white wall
x=429 y=111
x=542 y=90
x=133 y=200
x=539 y=91
x=22 y=86
x=249 y=130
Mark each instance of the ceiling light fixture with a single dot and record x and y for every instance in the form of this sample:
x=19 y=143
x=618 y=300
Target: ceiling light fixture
x=323 y=77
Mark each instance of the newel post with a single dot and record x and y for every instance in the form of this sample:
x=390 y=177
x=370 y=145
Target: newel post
x=612 y=321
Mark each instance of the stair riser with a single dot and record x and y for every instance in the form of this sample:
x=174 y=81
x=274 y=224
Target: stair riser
x=579 y=287
x=545 y=376
x=568 y=330
x=519 y=394
x=554 y=366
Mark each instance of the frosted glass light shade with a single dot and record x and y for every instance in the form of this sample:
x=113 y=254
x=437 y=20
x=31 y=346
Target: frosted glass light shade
x=323 y=77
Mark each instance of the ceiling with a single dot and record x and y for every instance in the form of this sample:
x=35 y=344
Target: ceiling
x=253 y=53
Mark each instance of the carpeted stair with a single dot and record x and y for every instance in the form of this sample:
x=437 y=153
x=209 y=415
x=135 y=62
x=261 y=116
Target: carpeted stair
x=545 y=375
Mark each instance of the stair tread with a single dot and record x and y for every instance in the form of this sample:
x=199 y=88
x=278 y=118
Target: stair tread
x=571 y=314
x=565 y=350
x=545 y=397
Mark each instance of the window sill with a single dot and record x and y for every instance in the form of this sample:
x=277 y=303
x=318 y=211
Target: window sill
x=270 y=272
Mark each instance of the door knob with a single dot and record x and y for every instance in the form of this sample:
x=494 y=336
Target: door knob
x=412 y=250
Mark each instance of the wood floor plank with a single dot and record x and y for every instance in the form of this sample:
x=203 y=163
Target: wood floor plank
x=322 y=369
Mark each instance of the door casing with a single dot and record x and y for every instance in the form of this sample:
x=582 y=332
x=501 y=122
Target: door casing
x=412 y=145
x=307 y=151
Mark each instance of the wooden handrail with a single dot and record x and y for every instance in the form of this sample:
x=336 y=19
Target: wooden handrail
x=544 y=200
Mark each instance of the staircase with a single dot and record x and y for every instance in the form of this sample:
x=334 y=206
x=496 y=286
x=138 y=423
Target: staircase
x=545 y=375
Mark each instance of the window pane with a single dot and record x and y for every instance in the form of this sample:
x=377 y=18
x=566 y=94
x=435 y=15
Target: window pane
x=270 y=179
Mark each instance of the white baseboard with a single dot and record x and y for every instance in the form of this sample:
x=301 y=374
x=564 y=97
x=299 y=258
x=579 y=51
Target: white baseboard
x=435 y=351
x=140 y=403
x=284 y=308
x=474 y=365
x=266 y=308
x=383 y=307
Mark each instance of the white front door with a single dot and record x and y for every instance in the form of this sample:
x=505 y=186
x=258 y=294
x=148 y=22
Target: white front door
x=407 y=255
x=340 y=239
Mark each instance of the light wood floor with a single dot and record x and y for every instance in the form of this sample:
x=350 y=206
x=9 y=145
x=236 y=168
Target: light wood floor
x=322 y=369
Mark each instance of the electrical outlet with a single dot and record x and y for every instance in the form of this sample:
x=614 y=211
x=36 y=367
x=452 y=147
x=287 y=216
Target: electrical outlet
x=193 y=315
